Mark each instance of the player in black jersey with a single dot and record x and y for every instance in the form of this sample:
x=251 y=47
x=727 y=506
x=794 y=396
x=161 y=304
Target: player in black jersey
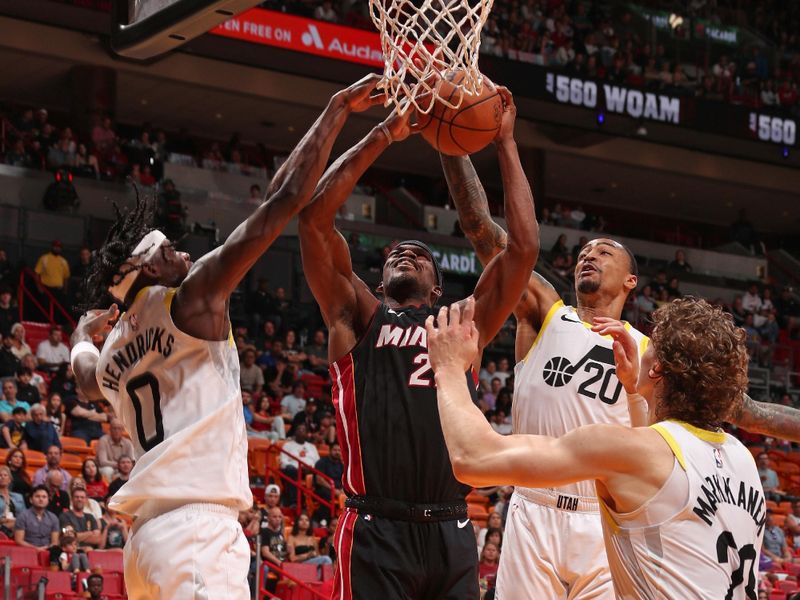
x=405 y=532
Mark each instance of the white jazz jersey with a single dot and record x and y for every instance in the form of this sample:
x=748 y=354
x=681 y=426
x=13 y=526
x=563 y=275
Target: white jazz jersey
x=568 y=380
x=707 y=546
x=179 y=398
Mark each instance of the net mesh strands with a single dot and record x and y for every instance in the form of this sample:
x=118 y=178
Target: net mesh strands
x=425 y=40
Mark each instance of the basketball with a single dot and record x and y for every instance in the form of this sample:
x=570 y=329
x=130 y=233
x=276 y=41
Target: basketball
x=468 y=128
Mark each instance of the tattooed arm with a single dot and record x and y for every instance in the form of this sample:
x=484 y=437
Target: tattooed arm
x=766 y=418
x=489 y=239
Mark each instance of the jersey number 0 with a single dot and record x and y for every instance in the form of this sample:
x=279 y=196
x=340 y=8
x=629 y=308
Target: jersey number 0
x=135 y=384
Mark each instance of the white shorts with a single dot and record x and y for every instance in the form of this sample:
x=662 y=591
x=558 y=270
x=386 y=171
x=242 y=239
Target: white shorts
x=552 y=553
x=195 y=552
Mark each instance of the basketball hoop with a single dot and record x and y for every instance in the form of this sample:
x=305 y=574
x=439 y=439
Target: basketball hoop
x=423 y=41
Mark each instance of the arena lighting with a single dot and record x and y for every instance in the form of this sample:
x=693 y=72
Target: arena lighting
x=675 y=21
x=601 y=118
x=785 y=152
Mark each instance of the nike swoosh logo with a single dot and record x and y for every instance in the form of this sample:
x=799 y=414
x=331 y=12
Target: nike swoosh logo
x=464 y=524
x=564 y=318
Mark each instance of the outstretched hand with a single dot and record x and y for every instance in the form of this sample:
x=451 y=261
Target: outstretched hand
x=453 y=342
x=626 y=351
x=506 y=131
x=362 y=95
x=400 y=126
x=96 y=323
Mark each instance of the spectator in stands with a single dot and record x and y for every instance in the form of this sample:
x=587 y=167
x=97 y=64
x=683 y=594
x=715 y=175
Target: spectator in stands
x=81 y=266
x=256 y=195
x=285 y=308
x=115 y=533
x=91 y=506
x=293 y=403
x=111 y=447
x=770 y=330
x=325 y=12
x=124 y=468
x=679 y=264
x=85 y=526
x=53 y=272
x=37 y=527
x=753 y=339
x=303 y=546
x=659 y=283
x=69 y=559
x=18 y=465
x=19 y=347
x=499 y=422
x=37 y=381
x=103 y=137
x=10 y=400
x=487 y=374
x=55 y=413
x=792 y=524
x=14 y=429
x=53 y=458
x=310 y=416
x=11 y=503
x=86 y=417
x=769 y=478
x=86 y=164
x=96 y=486
x=304 y=451
x=292 y=350
x=333 y=467
x=503 y=372
x=26 y=391
x=59 y=498
x=326 y=545
x=8 y=313
x=94 y=586
x=251 y=376
x=317 y=354
x=645 y=303
x=751 y=301
x=774 y=546
x=674 y=288
x=40 y=433
x=9 y=363
x=273 y=544
x=64 y=383
x=260 y=423
x=490 y=397
x=52 y=352
x=18 y=156
x=490 y=561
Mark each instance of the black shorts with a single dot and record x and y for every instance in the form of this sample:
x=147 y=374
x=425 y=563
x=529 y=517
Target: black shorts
x=385 y=559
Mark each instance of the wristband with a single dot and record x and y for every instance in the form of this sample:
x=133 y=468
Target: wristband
x=80 y=348
x=386 y=132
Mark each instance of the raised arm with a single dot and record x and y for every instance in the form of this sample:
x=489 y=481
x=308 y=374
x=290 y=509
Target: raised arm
x=84 y=364
x=205 y=292
x=489 y=239
x=766 y=418
x=632 y=463
x=506 y=275
x=344 y=300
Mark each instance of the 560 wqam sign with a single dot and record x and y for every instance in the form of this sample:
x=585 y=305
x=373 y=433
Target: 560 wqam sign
x=612 y=98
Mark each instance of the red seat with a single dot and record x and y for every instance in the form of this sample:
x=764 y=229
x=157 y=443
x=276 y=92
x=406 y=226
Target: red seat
x=107 y=560
x=57 y=581
x=786 y=585
x=327 y=572
x=21 y=556
x=303 y=572
x=777 y=595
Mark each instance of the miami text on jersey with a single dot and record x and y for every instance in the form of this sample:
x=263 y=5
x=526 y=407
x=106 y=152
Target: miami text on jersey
x=401 y=337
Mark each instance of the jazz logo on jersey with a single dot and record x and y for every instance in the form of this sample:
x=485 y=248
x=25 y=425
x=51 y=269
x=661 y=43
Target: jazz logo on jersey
x=598 y=363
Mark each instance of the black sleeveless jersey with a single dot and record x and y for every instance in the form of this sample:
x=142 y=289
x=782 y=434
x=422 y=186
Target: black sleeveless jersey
x=387 y=416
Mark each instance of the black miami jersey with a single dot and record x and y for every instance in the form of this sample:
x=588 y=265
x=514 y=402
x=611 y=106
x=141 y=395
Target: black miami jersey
x=387 y=414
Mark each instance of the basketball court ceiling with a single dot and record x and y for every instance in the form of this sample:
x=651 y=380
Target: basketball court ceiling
x=572 y=174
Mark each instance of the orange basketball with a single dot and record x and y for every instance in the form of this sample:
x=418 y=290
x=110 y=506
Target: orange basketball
x=468 y=128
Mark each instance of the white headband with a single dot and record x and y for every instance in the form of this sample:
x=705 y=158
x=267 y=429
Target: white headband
x=144 y=251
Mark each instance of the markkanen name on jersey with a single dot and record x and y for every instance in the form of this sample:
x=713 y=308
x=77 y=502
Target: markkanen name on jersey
x=616 y=98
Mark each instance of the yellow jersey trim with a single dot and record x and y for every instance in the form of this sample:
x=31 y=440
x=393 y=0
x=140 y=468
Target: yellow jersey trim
x=643 y=345
x=168 y=299
x=672 y=442
x=548 y=317
x=715 y=437
x=607 y=516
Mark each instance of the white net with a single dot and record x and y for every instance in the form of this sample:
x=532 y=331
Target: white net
x=422 y=41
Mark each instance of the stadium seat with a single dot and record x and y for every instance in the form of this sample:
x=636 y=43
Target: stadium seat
x=35 y=333
x=21 y=556
x=35 y=459
x=57 y=581
x=108 y=560
x=475 y=498
x=301 y=571
x=786 y=585
x=72 y=464
x=327 y=572
x=779 y=520
x=777 y=595
x=75 y=446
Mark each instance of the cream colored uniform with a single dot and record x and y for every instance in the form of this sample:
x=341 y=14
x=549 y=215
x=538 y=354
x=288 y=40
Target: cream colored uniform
x=179 y=398
x=700 y=536
x=553 y=541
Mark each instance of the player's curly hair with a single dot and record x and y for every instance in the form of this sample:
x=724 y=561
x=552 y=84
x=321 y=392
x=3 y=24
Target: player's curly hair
x=703 y=360
x=130 y=226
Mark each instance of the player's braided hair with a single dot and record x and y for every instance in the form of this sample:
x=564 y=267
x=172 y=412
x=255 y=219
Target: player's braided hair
x=130 y=226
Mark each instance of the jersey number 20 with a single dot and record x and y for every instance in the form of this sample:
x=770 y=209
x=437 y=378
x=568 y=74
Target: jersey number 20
x=137 y=383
